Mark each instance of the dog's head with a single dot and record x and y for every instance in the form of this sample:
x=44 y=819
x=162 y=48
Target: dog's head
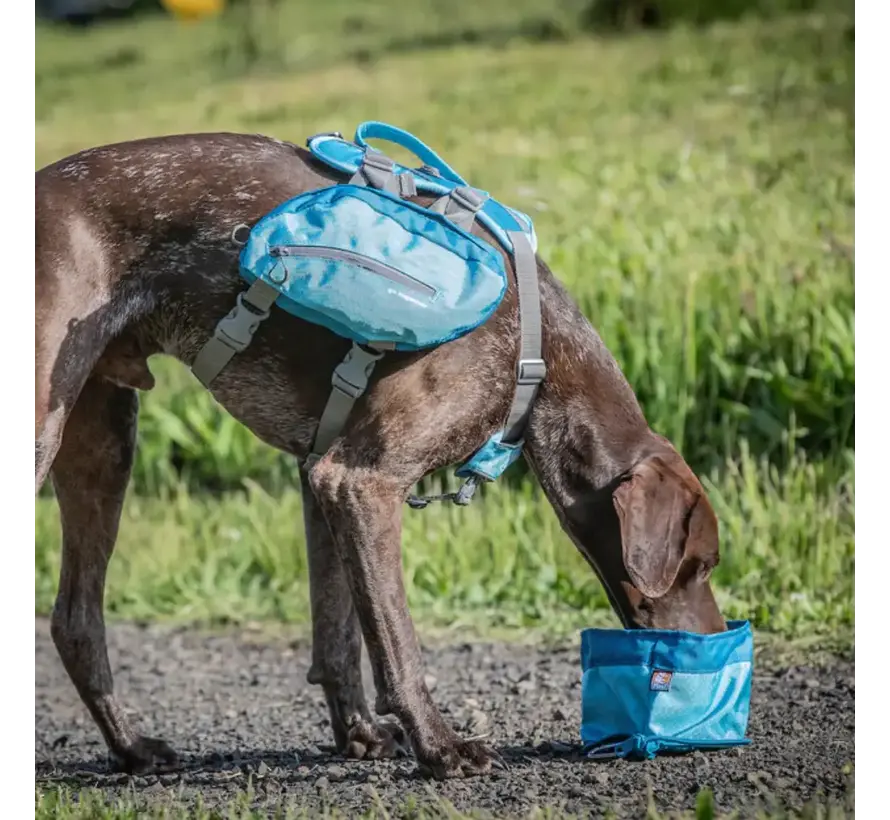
x=654 y=541
x=669 y=546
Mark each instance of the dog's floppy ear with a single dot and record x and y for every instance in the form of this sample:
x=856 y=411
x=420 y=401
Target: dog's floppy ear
x=654 y=507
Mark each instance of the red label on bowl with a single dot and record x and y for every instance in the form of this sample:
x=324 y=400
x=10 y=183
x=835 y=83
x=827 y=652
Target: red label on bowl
x=660 y=681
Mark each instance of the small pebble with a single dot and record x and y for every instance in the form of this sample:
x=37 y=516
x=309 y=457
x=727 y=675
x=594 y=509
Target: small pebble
x=478 y=722
x=322 y=783
x=336 y=773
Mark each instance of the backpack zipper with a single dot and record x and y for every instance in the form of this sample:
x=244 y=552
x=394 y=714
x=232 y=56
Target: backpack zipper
x=358 y=259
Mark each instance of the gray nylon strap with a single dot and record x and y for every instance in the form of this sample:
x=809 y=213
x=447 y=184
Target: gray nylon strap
x=530 y=369
x=349 y=382
x=234 y=331
x=460 y=205
x=376 y=171
x=261 y=295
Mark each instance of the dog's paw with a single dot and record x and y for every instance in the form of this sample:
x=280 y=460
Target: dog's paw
x=145 y=755
x=463 y=758
x=375 y=741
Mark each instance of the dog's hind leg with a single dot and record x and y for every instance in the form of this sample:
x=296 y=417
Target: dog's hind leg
x=51 y=411
x=337 y=646
x=90 y=474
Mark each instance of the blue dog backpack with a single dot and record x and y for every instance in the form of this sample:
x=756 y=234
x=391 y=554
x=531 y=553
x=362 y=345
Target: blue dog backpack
x=646 y=691
x=413 y=281
x=362 y=260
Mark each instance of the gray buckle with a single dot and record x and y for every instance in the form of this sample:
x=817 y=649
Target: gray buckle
x=531 y=371
x=236 y=329
x=375 y=159
x=352 y=374
x=467 y=198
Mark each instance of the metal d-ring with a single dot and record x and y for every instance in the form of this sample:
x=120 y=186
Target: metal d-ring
x=274 y=277
x=241 y=227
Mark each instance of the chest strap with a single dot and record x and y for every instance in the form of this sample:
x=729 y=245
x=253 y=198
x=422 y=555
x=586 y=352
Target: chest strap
x=234 y=331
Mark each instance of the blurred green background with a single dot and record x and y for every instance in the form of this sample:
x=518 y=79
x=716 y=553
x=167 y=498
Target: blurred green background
x=689 y=166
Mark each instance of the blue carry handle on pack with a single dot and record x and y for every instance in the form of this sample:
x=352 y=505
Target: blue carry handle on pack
x=434 y=176
x=363 y=260
x=373 y=130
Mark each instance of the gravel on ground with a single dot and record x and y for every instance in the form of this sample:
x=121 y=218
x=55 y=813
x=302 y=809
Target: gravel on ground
x=238 y=708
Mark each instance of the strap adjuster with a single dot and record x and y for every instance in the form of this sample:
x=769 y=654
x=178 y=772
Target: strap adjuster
x=407 y=185
x=467 y=198
x=531 y=371
x=352 y=374
x=236 y=329
x=375 y=159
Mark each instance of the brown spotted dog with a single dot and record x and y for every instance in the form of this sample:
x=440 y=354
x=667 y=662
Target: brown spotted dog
x=134 y=256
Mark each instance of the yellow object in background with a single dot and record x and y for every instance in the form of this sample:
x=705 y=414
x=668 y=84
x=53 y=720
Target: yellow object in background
x=193 y=9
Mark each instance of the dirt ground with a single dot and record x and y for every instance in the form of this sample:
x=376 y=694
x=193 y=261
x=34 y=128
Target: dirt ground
x=239 y=708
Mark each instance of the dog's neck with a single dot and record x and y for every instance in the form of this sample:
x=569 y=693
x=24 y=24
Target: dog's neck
x=586 y=427
x=586 y=432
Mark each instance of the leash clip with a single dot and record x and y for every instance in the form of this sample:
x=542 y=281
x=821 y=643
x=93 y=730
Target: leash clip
x=466 y=492
x=461 y=498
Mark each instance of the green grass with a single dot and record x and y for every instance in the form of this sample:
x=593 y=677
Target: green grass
x=693 y=189
x=93 y=805
x=787 y=550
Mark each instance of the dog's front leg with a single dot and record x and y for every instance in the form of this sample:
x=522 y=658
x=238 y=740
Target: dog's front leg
x=363 y=508
x=337 y=645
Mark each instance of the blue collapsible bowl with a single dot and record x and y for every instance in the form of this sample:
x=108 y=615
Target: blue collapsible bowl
x=645 y=691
